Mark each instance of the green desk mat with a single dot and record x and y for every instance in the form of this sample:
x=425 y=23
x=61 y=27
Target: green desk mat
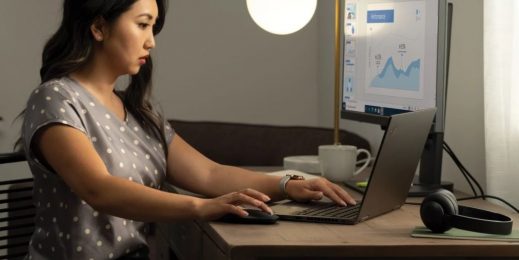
x=455 y=233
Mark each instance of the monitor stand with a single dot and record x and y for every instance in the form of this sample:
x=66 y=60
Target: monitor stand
x=419 y=190
x=429 y=179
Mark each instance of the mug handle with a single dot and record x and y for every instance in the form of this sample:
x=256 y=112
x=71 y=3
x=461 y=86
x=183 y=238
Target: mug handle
x=368 y=159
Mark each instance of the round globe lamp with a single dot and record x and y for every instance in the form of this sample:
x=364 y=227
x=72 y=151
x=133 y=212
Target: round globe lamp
x=281 y=16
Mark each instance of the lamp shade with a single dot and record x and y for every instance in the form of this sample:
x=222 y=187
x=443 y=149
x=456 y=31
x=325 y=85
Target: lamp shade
x=281 y=16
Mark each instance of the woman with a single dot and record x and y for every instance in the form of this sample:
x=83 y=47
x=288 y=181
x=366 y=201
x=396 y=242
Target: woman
x=99 y=157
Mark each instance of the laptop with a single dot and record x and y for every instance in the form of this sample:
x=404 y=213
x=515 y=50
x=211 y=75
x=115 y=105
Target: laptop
x=391 y=176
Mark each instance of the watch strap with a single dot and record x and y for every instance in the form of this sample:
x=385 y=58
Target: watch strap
x=284 y=180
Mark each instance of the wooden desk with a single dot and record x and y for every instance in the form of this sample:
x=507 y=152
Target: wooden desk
x=383 y=236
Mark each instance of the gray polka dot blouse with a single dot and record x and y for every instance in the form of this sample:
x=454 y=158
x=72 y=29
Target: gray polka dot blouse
x=66 y=226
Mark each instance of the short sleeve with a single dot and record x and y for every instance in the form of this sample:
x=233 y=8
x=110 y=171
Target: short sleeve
x=169 y=132
x=48 y=104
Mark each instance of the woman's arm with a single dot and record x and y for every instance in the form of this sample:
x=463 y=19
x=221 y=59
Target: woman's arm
x=70 y=154
x=189 y=169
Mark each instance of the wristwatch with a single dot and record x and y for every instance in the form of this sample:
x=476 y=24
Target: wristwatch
x=285 y=179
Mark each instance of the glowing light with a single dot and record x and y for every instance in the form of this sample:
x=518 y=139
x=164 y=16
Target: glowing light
x=281 y=16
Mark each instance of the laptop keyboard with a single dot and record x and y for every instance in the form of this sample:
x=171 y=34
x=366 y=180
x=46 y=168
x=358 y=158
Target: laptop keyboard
x=333 y=211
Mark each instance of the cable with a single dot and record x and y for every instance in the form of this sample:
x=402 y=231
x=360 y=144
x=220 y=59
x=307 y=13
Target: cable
x=463 y=170
x=475 y=197
x=492 y=197
x=469 y=179
x=466 y=173
x=460 y=166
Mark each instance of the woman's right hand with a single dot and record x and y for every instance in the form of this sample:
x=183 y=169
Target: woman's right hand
x=214 y=208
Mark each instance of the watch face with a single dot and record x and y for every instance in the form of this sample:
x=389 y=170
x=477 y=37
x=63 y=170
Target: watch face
x=296 y=177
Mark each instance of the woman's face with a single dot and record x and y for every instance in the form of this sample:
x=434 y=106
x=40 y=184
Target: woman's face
x=127 y=42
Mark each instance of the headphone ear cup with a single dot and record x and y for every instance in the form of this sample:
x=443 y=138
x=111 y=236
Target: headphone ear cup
x=435 y=207
x=451 y=199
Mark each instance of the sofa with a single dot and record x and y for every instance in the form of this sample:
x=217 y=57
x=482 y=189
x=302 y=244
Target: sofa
x=242 y=144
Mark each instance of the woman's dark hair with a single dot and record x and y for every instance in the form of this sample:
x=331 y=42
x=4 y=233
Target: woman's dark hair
x=71 y=47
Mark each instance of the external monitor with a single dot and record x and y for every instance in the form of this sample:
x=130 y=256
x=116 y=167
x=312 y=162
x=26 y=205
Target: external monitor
x=395 y=59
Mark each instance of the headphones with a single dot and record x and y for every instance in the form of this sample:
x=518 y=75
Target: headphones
x=440 y=212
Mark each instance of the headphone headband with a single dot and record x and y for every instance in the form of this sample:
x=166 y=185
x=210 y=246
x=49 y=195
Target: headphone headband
x=479 y=220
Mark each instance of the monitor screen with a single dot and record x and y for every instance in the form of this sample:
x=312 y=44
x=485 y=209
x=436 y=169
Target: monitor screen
x=393 y=57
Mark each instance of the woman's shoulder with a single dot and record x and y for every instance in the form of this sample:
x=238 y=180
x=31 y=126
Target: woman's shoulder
x=54 y=101
x=60 y=89
x=63 y=85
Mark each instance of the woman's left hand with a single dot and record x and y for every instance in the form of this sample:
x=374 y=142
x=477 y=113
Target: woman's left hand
x=315 y=189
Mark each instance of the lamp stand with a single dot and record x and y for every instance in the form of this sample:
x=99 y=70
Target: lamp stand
x=337 y=92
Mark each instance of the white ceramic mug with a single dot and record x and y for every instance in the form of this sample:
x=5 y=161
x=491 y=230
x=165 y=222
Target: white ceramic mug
x=338 y=162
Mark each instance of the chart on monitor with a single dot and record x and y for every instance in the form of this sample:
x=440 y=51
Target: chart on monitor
x=394 y=56
x=395 y=60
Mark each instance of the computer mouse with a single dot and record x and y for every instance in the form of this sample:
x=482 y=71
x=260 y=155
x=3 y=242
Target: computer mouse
x=255 y=217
